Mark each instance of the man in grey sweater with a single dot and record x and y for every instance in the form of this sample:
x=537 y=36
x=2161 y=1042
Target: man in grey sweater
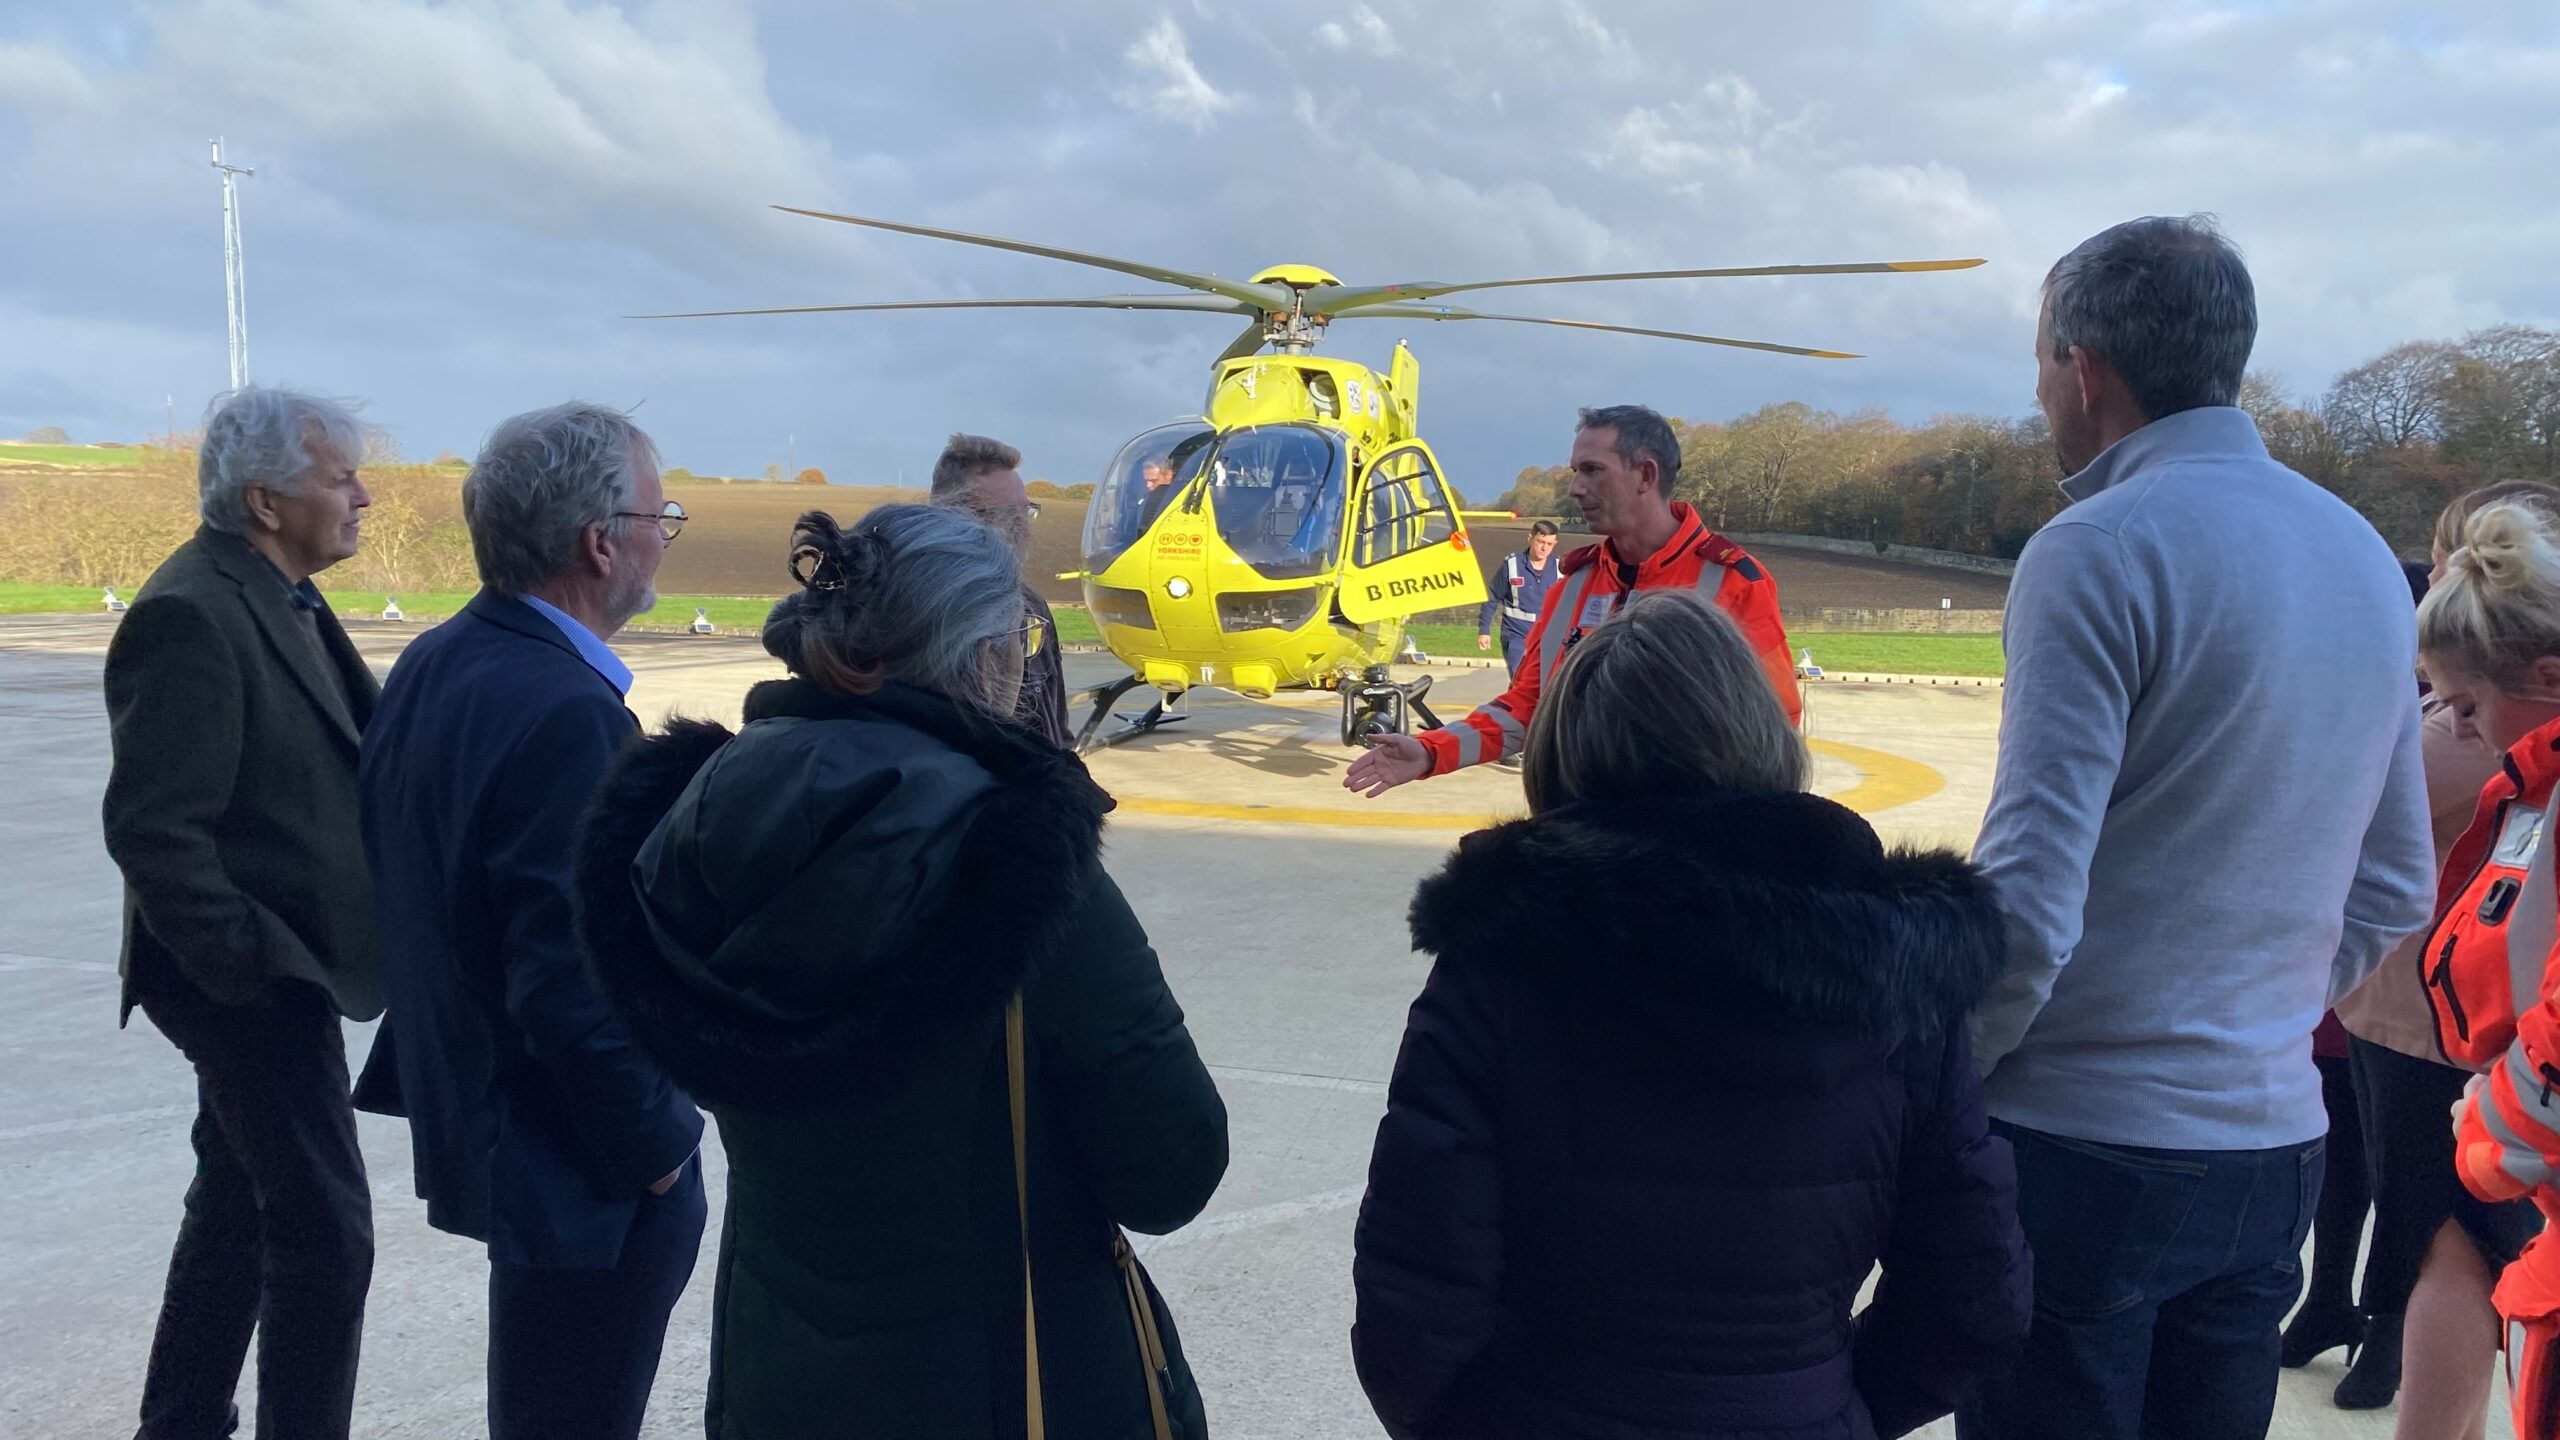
x=2209 y=818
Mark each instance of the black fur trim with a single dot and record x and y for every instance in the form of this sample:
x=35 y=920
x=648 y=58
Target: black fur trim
x=1015 y=896
x=1705 y=899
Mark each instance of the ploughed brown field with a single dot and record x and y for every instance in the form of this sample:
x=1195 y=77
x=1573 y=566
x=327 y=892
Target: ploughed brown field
x=739 y=536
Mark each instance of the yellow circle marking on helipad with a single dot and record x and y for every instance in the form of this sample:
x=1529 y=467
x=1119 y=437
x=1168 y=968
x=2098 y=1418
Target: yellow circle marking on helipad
x=1885 y=780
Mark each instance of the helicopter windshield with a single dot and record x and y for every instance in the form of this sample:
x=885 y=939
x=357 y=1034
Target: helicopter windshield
x=1277 y=491
x=1144 y=478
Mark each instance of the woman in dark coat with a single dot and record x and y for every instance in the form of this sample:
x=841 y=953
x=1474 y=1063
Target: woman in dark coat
x=1689 y=1066
x=815 y=926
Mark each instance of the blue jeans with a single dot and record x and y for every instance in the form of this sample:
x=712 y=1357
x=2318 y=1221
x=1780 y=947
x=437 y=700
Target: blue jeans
x=2162 y=1281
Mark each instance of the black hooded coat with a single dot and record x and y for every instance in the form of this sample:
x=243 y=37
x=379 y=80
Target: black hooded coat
x=814 y=926
x=1638 y=1159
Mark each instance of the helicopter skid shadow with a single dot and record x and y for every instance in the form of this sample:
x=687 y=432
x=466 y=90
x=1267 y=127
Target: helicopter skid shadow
x=1287 y=748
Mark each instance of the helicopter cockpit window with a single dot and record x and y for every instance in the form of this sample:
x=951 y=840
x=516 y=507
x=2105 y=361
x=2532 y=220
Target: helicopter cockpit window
x=1277 y=492
x=1143 y=480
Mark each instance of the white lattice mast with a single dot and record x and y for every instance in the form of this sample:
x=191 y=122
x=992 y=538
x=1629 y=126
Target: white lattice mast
x=235 y=271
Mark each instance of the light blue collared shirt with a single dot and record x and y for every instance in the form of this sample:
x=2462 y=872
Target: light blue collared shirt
x=595 y=652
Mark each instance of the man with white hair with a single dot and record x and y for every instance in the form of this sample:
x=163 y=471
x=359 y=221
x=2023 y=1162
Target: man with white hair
x=538 y=1129
x=234 y=706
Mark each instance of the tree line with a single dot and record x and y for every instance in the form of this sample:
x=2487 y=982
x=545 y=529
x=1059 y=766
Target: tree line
x=2397 y=437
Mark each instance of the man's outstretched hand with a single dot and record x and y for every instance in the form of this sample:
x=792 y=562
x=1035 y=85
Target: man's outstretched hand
x=1392 y=760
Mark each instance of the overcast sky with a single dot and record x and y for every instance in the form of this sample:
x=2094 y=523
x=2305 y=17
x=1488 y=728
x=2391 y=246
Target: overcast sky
x=456 y=202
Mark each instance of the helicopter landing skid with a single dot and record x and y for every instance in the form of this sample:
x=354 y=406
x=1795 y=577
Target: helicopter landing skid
x=1380 y=706
x=1091 y=737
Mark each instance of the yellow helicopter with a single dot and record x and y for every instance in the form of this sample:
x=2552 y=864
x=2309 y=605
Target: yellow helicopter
x=1282 y=539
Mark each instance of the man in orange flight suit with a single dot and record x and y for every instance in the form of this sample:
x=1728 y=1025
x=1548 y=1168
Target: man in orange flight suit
x=1625 y=459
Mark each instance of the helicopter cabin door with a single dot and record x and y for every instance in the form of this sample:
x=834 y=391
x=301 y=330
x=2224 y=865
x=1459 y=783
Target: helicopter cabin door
x=1409 y=553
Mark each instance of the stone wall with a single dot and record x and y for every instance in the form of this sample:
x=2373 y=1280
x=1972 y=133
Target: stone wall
x=1865 y=550
x=1897 y=622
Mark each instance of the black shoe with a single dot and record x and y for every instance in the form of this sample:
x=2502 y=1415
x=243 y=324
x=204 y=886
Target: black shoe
x=2373 y=1381
x=2318 y=1329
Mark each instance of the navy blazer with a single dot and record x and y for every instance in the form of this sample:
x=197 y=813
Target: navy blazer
x=536 y=1125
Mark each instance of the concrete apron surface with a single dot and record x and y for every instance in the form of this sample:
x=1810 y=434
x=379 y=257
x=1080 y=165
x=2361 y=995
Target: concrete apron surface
x=1275 y=898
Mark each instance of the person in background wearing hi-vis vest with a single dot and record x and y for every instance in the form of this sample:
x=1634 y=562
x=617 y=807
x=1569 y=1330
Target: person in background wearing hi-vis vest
x=1625 y=459
x=1519 y=588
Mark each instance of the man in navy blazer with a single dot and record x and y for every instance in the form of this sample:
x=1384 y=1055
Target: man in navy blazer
x=537 y=1127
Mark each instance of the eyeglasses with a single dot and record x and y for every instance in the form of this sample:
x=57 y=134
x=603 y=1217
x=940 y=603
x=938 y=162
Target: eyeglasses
x=1031 y=510
x=670 y=518
x=1035 y=638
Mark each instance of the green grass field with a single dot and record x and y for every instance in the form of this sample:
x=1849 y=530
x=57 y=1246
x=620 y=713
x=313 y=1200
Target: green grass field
x=48 y=599
x=1839 y=652
x=69 y=456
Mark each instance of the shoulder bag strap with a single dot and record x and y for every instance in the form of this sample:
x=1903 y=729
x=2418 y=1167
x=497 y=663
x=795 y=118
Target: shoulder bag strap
x=1142 y=1317
x=1037 y=1426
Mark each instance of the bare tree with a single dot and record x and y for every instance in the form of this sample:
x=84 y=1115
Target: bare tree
x=2391 y=401
x=2262 y=395
x=2501 y=403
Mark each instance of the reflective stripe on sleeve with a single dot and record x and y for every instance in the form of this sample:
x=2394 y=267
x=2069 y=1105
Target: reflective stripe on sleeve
x=2523 y=1163
x=1470 y=743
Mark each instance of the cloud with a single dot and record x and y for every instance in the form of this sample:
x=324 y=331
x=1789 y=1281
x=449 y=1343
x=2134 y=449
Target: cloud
x=456 y=200
x=39 y=77
x=1167 y=83
x=1367 y=30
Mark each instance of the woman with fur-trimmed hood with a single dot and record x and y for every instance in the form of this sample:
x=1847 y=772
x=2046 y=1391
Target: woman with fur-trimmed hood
x=1689 y=1066
x=815 y=925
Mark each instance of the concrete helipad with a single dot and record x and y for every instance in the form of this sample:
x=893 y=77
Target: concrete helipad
x=1275 y=898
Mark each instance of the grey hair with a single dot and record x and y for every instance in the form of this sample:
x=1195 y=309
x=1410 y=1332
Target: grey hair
x=1666 y=696
x=2168 y=301
x=969 y=456
x=541 y=480
x=1642 y=435
x=260 y=435
x=908 y=593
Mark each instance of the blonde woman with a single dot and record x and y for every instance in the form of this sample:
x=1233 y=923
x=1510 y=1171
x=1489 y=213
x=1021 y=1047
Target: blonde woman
x=2428 y=1332
x=1632 y=1175
x=2489 y=636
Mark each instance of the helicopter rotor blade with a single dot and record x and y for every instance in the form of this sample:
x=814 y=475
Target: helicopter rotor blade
x=1245 y=344
x=1392 y=311
x=1207 y=304
x=1353 y=298
x=1261 y=297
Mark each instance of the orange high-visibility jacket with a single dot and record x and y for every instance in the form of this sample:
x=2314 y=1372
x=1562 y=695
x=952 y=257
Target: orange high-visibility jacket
x=1592 y=584
x=2490 y=977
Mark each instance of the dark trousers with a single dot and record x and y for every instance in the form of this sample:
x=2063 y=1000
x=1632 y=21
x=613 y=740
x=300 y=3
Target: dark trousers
x=2416 y=1186
x=1515 y=643
x=572 y=1353
x=278 y=1231
x=2346 y=1193
x=2162 y=1277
